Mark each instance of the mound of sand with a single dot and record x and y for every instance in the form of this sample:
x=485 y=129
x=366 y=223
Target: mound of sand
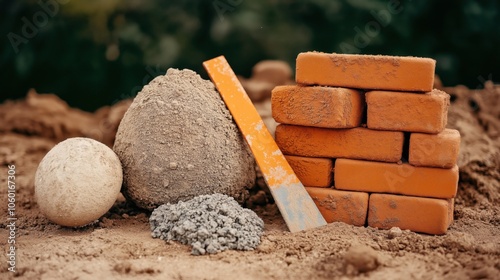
x=120 y=245
x=198 y=149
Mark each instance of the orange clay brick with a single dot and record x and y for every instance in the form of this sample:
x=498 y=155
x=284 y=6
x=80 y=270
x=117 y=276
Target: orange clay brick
x=413 y=112
x=420 y=214
x=365 y=71
x=358 y=143
x=312 y=172
x=318 y=106
x=380 y=177
x=340 y=206
x=435 y=150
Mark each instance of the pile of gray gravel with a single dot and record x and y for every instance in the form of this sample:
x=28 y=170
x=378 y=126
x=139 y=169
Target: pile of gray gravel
x=209 y=223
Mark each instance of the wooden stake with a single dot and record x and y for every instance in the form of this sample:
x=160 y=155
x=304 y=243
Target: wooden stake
x=294 y=203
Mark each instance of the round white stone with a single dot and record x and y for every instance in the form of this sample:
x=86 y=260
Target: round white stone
x=77 y=182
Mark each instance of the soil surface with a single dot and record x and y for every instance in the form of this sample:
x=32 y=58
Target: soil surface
x=120 y=246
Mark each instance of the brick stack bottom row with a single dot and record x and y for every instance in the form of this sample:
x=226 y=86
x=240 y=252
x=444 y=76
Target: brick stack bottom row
x=380 y=158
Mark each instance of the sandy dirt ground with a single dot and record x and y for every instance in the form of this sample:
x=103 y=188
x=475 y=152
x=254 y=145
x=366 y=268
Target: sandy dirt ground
x=119 y=245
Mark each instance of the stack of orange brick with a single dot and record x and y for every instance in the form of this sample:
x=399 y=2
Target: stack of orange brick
x=366 y=135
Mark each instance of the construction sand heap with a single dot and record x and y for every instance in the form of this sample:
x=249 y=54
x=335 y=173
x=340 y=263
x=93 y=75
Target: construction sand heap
x=209 y=223
x=120 y=247
x=178 y=140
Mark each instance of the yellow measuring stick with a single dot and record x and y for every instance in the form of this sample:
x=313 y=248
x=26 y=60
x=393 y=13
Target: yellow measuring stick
x=294 y=203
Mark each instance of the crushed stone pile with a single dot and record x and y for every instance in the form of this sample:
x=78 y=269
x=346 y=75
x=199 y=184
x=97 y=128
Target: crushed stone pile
x=209 y=223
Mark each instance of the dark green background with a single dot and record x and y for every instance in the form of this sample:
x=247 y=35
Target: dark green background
x=94 y=53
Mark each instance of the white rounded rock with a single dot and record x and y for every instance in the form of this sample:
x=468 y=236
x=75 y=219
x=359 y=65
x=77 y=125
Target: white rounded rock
x=77 y=182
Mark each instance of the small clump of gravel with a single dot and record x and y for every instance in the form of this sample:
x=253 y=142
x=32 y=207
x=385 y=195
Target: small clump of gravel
x=394 y=232
x=209 y=223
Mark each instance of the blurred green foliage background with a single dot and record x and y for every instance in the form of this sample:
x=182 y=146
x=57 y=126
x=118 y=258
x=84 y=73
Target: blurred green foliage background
x=94 y=53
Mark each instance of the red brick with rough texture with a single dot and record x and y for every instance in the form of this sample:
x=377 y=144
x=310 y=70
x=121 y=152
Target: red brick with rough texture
x=312 y=172
x=358 y=143
x=318 y=106
x=341 y=206
x=435 y=150
x=420 y=214
x=412 y=112
x=405 y=179
x=365 y=71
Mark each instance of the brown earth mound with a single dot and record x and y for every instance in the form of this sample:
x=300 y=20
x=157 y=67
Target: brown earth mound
x=120 y=244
